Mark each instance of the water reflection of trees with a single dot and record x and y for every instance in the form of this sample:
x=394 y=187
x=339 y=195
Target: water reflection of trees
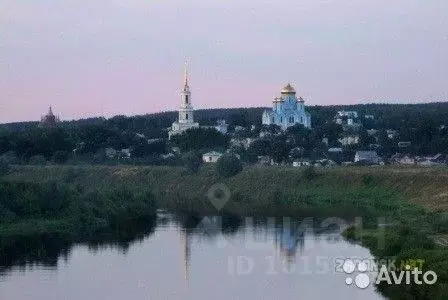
x=46 y=249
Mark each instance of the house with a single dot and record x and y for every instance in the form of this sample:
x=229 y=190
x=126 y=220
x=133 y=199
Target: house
x=125 y=153
x=391 y=134
x=367 y=157
x=301 y=163
x=110 y=153
x=436 y=160
x=241 y=142
x=211 y=157
x=168 y=156
x=349 y=140
x=346 y=118
x=324 y=163
x=402 y=159
x=222 y=126
x=335 y=150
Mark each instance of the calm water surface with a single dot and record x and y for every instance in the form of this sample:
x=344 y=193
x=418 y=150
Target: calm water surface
x=180 y=257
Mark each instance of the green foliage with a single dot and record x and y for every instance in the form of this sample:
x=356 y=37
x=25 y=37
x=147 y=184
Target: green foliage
x=200 y=139
x=83 y=210
x=192 y=161
x=9 y=157
x=4 y=167
x=38 y=160
x=367 y=179
x=309 y=173
x=60 y=157
x=228 y=165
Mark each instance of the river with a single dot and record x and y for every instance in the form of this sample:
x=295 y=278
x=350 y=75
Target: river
x=187 y=257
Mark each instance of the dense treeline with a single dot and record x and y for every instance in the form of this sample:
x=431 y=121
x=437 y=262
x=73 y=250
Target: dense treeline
x=420 y=124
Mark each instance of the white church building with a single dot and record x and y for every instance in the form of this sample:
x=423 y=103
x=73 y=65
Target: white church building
x=186 y=111
x=287 y=110
x=186 y=114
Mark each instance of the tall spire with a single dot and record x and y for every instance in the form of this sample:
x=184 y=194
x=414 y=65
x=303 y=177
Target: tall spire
x=50 y=111
x=186 y=75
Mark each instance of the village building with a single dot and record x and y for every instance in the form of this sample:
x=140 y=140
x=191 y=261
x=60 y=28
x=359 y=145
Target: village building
x=301 y=163
x=367 y=157
x=435 y=160
x=211 y=157
x=241 y=142
x=287 y=110
x=335 y=150
x=349 y=140
x=402 y=159
x=346 y=118
x=391 y=134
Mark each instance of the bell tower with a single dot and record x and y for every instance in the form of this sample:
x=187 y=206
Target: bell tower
x=186 y=108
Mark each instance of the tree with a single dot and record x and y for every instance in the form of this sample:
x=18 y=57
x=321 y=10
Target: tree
x=192 y=161
x=228 y=165
x=143 y=148
x=38 y=160
x=278 y=149
x=60 y=157
x=4 y=167
x=199 y=139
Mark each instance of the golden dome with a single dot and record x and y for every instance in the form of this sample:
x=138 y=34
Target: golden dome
x=288 y=89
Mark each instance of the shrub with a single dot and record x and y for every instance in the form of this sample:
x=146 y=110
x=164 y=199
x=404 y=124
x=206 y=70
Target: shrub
x=10 y=158
x=228 y=165
x=4 y=167
x=38 y=160
x=309 y=173
x=192 y=161
x=60 y=157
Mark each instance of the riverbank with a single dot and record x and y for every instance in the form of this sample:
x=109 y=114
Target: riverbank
x=401 y=194
x=412 y=200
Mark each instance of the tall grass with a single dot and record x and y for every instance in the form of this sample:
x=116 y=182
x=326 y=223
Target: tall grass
x=57 y=206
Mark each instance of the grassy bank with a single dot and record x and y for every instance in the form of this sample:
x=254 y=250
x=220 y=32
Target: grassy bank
x=57 y=207
x=413 y=201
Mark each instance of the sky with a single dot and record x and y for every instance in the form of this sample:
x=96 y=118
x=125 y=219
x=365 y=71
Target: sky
x=126 y=57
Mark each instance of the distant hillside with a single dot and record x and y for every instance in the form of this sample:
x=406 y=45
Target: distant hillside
x=386 y=116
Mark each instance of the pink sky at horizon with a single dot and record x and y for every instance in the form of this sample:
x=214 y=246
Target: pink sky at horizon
x=126 y=57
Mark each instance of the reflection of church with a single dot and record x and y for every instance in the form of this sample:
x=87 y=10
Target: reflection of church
x=288 y=236
x=186 y=255
x=289 y=239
